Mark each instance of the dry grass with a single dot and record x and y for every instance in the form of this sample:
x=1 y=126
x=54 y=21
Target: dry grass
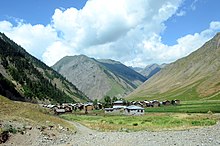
x=29 y=113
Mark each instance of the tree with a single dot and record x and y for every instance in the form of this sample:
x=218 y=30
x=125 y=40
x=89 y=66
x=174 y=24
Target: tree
x=107 y=101
x=114 y=99
x=95 y=102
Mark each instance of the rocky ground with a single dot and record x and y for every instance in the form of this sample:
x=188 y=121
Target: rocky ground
x=207 y=136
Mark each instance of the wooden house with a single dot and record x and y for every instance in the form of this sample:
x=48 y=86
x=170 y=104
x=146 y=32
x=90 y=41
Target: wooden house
x=177 y=102
x=58 y=111
x=166 y=103
x=138 y=103
x=155 y=103
x=88 y=106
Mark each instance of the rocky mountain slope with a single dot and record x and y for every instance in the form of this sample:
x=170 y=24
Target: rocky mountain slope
x=150 y=70
x=99 y=78
x=25 y=78
x=191 y=78
x=137 y=69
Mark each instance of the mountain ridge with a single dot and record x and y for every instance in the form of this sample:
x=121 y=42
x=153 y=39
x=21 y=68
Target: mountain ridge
x=99 y=78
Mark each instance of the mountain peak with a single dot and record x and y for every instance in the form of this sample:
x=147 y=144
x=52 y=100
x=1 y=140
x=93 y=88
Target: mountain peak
x=109 y=61
x=99 y=78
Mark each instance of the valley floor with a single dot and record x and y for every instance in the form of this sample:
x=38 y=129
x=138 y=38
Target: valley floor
x=207 y=136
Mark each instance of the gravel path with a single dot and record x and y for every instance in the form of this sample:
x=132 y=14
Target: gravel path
x=208 y=136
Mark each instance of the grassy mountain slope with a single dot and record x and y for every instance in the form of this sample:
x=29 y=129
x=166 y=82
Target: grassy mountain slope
x=98 y=78
x=191 y=78
x=25 y=78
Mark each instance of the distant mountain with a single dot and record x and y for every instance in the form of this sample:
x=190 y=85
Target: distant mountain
x=194 y=77
x=150 y=70
x=137 y=69
x=25 y=78
x=99 y=78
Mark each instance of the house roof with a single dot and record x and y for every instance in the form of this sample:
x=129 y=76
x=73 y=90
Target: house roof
x=134 y=107
x=88 y=104
x=107 y=109
x=119 y=106
x=119 y=101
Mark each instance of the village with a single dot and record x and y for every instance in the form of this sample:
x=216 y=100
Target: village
x=117 y=107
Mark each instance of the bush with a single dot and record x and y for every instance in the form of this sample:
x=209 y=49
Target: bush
x=135 y=124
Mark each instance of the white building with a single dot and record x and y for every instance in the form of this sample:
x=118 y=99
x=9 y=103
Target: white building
x=134 y=110
x=118 y=105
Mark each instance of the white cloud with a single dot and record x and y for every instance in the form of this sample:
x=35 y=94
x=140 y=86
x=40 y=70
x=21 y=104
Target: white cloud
x=125 y=30
x=193 y=5
x=35 y=39
x=159 y=52
x=56 y=51
x=181 y=13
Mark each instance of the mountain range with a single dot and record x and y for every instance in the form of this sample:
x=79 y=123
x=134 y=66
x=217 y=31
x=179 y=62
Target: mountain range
x=194 y=77
x=99 y=78
x=149 y=70
x=25 y=78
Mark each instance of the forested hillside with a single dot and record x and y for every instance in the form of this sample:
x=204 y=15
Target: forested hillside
x=25 y=78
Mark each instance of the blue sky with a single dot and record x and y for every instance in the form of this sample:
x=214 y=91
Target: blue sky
x=197 y=18
x=136 y=33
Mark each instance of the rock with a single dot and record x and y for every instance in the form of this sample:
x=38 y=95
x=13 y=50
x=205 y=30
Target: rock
x=60 y=127
x=4 y=136
x=28 y=127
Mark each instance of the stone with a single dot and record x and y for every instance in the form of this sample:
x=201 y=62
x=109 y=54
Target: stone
x=28 y=127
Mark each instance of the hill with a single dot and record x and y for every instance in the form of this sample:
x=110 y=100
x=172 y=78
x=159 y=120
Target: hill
x=193 y=77
x=25 y=78
x=99 y=78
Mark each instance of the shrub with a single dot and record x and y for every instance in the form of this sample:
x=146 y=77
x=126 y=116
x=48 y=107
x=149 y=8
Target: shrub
x=135 y=124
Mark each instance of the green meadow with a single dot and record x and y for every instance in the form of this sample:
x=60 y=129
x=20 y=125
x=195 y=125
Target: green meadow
x=147 y=122
x=200 y=106
x=189 y=114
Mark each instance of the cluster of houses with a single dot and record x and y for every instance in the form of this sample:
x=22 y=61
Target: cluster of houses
x=120 y=107
x=155 y=103
x=126 y=108
x=137 y=107
x=69 y=107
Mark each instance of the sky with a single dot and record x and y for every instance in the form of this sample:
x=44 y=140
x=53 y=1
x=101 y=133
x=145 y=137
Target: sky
x=134 y=32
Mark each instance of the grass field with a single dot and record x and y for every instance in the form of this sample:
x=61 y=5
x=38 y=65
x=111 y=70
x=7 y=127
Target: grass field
x=189 y=114
x=149 y=122
x=199 y=106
